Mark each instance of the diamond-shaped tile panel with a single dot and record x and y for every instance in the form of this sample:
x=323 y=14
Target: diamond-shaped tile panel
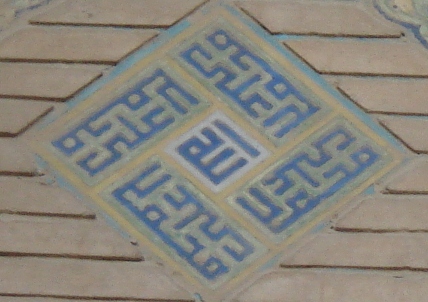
x=217 y=149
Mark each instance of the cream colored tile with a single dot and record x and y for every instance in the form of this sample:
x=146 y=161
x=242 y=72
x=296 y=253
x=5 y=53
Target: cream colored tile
x=331 y=56
x=18 y=115
x=413 y=131
x=411 y=180
x=132 y=13
x=363 y=250
x=28 y=196
x=386 y=95
x=387 y=213
x=339 y=286
x=44 y=81
x=79 y=238
x=88 y=279
x=16 y=158
x=93 y=45
x=328 y=18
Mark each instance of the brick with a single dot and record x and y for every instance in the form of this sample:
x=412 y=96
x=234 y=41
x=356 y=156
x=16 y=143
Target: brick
x=380 y=95
x=27 y=196
x=413 y=131
x=131 y=13
x=82 y=45
x=87 y=279
x=16 y=158
x=17 y=115
x=79 y=238
x=330 y=56
x=44 y=81
x=387 y=213
x=365 y=250
x=329 y=286
x=412 y=180
x=322 y=18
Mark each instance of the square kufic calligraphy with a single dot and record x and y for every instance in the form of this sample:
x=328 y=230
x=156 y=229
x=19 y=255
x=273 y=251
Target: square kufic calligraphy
x=110 y=133
x=217 y=149
x=188 y=225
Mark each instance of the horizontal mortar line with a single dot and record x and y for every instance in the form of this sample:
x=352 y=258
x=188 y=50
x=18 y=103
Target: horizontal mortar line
x=61 y=61
x=282 y=36
x=69 y=256
x=361 y=268
x=375 y=76
x=53 y=100
x=50 y=215
x=33 y=98
x=4 y=134
x=379 y=231
x=380 y=113
x=68 y=25
x=392 y=113
x=20 y=174
x=89 y=67
x=403 y=192
x=368 y=74
x=88 y=298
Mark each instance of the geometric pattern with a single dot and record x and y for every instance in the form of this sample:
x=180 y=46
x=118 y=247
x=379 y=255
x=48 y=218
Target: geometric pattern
x=249 y=83
x=326 y=165
x=152 y=106
x=187 y=223
x=217 y=149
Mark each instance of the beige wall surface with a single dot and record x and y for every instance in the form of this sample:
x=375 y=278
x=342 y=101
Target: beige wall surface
x=10 y=9
x=58 y=245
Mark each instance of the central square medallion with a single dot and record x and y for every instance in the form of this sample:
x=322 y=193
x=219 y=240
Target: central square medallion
x=216 y=148
x=217 y=151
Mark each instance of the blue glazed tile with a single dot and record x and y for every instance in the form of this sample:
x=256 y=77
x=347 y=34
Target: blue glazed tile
x=323 y=168
x=150 y=107
x=240 y=73
x=186 y=223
